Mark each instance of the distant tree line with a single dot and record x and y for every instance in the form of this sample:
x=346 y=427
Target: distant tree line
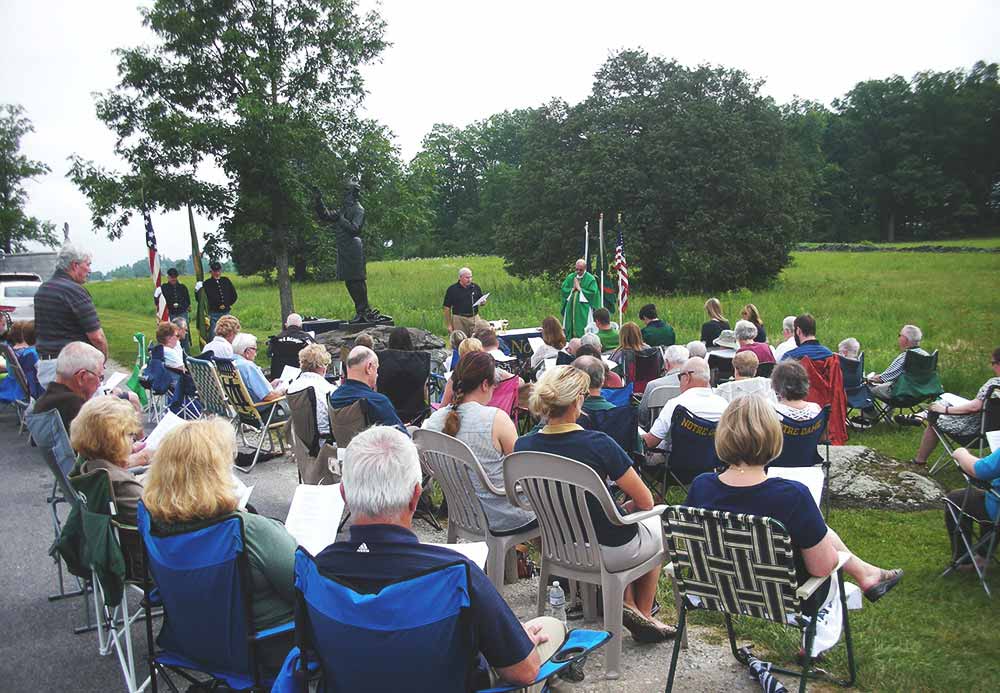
x=140 y=268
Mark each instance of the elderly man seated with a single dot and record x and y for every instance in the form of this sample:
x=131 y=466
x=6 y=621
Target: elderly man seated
x=594 y=367
x=849 y=348
x=880 y=385
x=362 y=375
x=675 y=357
x=746 y=381
x=788 y=333
x=696 y=396
x=697 y=348
x=805 y=337
x=221 y=346
x=314 y=359
x=381 y=486
x=244 y=353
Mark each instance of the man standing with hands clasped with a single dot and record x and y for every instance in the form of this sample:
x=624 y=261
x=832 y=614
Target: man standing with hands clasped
x=580 y=297
x=461 y=305
x=220 y=294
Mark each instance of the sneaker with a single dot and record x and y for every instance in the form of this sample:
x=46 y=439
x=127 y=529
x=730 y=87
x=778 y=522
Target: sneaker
x=573 y=673
x=906 y=420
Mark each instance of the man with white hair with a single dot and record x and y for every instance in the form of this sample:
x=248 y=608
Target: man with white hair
x=697 y=348
x=381 y=486
x=881 y=385
x=788 y=332
x=849 y=348
x=675 y=357
x=696 y=396
x=461 y=305
x=362 y=374
x=244 y=353
x=284 y=348
x=64 y=312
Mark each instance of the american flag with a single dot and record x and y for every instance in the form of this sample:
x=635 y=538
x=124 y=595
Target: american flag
x=622 y=266
x=154 y=267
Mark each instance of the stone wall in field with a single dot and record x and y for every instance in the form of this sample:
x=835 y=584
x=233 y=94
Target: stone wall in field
x=868 y=248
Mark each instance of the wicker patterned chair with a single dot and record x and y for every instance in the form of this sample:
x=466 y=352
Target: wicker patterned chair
x=743 y=565
x=206 y=381
x=249 y=416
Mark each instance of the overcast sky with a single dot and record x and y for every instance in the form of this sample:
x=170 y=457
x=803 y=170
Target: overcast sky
x=457 y=61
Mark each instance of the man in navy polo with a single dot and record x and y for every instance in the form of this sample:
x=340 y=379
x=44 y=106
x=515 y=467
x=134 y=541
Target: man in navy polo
x=381 y=486
x=808 y=346
x=362 y=374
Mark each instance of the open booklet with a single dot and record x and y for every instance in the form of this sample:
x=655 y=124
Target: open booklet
x=481 y=301
x=169 y=422
x=112 y=381
x=314 y=516
x=475 y=551
x=289 y=373
x=810 y=477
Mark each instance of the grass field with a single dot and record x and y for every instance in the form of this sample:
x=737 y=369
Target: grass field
x=930 y=631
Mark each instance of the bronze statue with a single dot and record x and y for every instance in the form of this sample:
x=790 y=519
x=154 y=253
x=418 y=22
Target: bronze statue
x=347 y=224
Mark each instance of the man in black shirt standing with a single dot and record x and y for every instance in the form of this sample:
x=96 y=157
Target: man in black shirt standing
x=284 y=347
x=220 y=295
x=460 y=311
x=177 y=298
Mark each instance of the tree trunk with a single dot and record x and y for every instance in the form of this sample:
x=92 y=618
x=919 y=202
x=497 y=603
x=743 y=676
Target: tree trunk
x=284 y=280
x=890 y=231
x=301 y=268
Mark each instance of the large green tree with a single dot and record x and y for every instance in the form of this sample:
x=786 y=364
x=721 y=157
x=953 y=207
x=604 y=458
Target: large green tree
x=16 y=227
x=255 y=87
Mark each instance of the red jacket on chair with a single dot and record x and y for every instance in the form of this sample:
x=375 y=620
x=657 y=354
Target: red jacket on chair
x=826 y=386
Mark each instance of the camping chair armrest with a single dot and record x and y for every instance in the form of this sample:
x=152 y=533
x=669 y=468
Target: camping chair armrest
x=637 y=517
x=669 y=569
x=276 y=630
x=812 y=584
x=578 y=644
x=269 y=402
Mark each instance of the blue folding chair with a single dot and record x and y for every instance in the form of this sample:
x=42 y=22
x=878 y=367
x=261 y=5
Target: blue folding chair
x=618 y=396
x=203 y=582
x=692 y=447
x=800 y=446
x=858 y=395
x=414 y=634
x=621 y=423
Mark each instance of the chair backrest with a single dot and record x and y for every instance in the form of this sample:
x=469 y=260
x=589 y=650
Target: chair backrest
x=156 y=371
x=764 y=370
x=991 y=410
x=639 y=367
x=303 y=416
x=618 y=396
x=826 y=387
x=454 y=465
x=202 y=579
x=621 y=423
x=919 y=380
x=349 y=421
x=237 y=393
x=855 y=388
x=692 y=445
x=284 y=351
x=402 y=377
x=14 y=366
x=560 y=491
x=505 y=396
x=49 y=434
x=416 y=629
x=737 y=564
x=801 y=439
x=658 y=398
x=206 y=381
x=721 y=367
x=564 y=359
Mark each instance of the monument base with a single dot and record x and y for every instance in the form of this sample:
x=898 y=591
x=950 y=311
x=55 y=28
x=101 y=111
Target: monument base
x=321 y=325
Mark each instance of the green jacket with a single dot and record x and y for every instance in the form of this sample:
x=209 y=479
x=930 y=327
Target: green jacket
x=659 y=334
x=609 y=339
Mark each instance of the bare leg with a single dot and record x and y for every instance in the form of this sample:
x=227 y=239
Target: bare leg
x=927 y=444
x=641 y=593
x=865 y=574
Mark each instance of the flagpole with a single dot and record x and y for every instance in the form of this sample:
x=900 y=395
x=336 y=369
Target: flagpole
x=600 y=236
x=201 y=314
x=621 y=316
x=586 y=243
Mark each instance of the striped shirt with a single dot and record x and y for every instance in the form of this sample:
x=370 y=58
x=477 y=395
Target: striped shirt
x=64 y=313
x=895 y=368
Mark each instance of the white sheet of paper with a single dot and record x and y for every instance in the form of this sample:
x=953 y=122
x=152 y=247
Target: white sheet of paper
x=289 y=373
x=810 y=477
x=518 y=331
x=114 y=380
x=993 y=438
x=550 y=363
x=314 y=516
x=476 y=551
x=169 y=422
x=242 y=492
x=535 y=343
x=481 y=301
x=501 y=357
x=953 y=400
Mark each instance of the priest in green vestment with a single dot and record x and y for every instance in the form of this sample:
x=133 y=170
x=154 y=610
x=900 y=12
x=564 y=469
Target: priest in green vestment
x=580 y=296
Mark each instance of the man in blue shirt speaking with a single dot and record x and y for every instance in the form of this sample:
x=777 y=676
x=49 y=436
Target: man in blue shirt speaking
x=381 y=485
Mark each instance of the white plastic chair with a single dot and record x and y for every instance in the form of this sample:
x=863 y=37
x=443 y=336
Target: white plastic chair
x=453 y=464
x=555 y=488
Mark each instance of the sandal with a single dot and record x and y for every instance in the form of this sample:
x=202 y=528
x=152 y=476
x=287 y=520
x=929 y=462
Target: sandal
x=889 y=580
x=641 y=628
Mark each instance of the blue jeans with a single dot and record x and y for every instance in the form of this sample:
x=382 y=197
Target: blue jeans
x=213 y=317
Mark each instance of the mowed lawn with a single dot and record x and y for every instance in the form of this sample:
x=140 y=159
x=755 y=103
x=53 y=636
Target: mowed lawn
x=931 y=633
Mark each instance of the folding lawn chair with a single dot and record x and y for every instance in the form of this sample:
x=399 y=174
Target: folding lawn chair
x=692 y=448
x=744 y=565
x=210 y=393
x=989 y=532
x=618 y=396
x=454 y=466
x=396 y=638
x=917 y=384
x=202 y=579
x=856 y=389
x=251 y=415
x=14 y=366
x=989 y=420
x=402 y=377
x=800 y=447
x=313 y=457
x=658 y=399
x=639 y=367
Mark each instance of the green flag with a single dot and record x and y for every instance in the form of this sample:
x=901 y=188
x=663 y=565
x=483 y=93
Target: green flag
x=140 y=363
x=201 y=315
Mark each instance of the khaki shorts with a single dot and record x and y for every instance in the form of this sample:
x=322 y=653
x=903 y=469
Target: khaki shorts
x=647 y=542
x=468 y=325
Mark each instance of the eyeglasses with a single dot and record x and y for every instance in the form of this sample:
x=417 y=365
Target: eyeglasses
x=687 y=373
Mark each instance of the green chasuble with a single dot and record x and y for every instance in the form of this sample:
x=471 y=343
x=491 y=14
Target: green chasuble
x=576 y=313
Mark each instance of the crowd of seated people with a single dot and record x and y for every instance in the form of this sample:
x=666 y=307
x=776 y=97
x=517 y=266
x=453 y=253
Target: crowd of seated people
x=21 y=338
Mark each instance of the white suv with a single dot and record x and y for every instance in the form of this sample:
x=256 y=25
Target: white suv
x=17 y=294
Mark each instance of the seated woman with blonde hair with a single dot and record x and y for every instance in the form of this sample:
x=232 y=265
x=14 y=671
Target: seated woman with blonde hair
x=103 y=434
x=747 y=439
x=558 y=399
x=191 y=482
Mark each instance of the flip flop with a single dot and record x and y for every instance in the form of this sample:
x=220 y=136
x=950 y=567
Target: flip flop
x=878 y=590
x=642 y=629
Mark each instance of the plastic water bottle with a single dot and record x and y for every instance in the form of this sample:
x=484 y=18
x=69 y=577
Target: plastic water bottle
x=557 y=603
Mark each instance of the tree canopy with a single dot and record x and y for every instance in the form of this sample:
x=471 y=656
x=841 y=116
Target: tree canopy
x=16 y=227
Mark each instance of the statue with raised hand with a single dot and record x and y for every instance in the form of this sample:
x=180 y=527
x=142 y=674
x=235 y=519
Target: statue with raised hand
x=347 y=224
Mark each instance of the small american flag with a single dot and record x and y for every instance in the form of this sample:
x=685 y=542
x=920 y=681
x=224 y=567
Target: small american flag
x=154 y=266
x=622 y=266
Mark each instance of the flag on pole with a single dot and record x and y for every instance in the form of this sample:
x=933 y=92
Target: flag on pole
x=622 y=266
x=607 y=291
x=154 y=268
x=201 y=315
